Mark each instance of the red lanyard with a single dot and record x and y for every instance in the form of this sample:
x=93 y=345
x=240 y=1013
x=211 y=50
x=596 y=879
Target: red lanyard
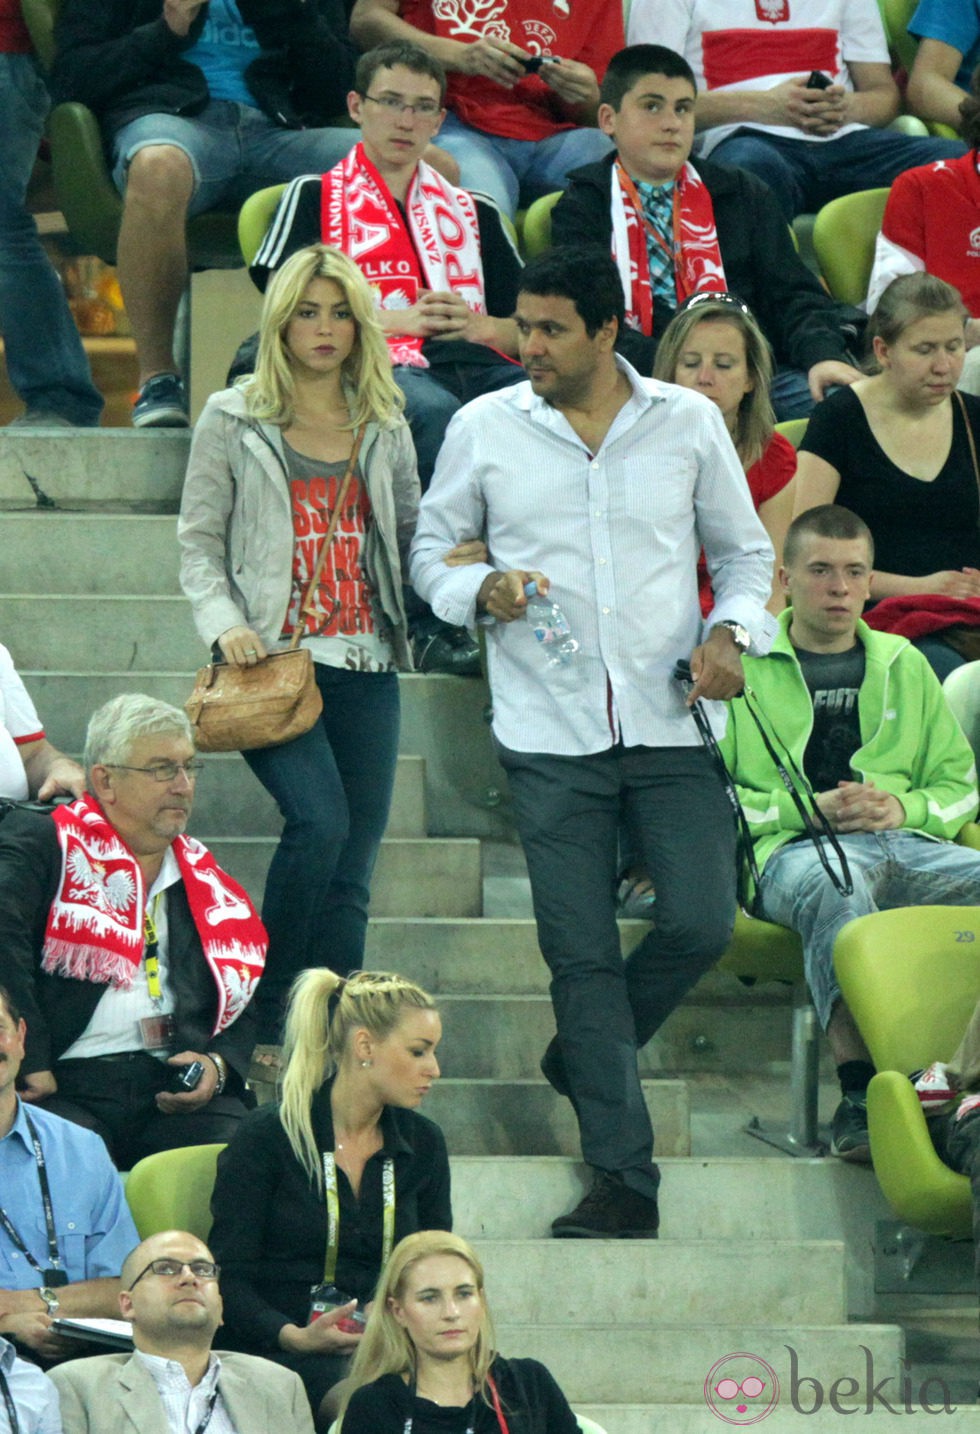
x=669 y=253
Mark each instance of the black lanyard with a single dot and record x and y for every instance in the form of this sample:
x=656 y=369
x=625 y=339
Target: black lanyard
x=55 y=1275
x=210 y=1410
x=8 y=1399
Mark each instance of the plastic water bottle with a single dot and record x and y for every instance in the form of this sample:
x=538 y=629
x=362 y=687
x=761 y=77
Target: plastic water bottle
x=550 y=627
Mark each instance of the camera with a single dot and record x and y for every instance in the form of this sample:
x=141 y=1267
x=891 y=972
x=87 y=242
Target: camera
x=817 y=80
x=533 y=63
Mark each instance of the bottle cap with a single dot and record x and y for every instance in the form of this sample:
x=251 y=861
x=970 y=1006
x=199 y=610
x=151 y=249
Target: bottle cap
x=531 y=589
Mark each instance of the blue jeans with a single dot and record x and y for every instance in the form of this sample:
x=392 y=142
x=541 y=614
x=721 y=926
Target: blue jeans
x=233 y=150
x=889 y=869
x=518 y=171
x=805 y=174
x=45 y=358
x=433 y=395
x=333 y=786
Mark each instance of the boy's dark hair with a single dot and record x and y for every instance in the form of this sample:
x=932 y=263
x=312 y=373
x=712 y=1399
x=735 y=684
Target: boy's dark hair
x=586 y=274
x=630 y=65
x=829 y=520
x=398 y=52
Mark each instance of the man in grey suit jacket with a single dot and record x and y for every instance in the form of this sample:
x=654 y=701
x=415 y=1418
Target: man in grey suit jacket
x=174 y=1381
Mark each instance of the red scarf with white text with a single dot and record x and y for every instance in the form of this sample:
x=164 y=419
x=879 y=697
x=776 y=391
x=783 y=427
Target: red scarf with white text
x=95 y=925
x=696 y=256
x=359 y=216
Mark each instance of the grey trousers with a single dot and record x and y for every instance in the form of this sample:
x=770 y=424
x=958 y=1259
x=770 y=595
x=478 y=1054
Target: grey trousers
x=606 y=1009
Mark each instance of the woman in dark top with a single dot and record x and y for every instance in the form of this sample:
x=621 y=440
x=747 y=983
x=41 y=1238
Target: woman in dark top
x=895 y=448
x=427 y=1365
x=346 y=1138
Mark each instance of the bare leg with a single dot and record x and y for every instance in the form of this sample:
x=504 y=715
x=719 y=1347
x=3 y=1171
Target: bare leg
x=845 y=1038
x=153 y=252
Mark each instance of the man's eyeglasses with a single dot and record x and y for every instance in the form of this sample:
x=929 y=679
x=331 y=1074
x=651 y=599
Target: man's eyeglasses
x=173 y=1269
x=395 y=105
x=162 y=771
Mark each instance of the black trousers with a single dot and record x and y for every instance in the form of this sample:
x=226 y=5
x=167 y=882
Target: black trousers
x=957 y=1143
x=606 y=1009
x=114 y=1096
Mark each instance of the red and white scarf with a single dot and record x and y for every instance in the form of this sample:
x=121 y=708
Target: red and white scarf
x=359 y=216
x=697 y=257
x=95 y=925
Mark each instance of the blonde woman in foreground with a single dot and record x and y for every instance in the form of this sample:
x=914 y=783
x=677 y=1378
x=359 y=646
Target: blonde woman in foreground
x=427 y=1362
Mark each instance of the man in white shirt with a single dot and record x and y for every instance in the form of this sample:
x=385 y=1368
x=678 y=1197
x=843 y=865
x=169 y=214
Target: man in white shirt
x=30 y=765
x=28 y=1399
x=174 y=1381
x=798 y=91
x=601 y=487
x=130 y=953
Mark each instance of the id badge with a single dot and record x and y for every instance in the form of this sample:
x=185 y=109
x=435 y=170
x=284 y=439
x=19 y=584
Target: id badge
x=157 y=1032
x=324 y=1298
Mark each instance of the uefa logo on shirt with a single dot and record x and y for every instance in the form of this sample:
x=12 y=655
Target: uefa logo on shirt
x=741 y=1389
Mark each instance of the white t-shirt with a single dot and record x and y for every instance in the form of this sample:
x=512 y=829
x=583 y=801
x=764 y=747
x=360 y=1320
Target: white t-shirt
x=756 y=44
x=19 y=723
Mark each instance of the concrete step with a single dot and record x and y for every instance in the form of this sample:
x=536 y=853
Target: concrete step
x=430 y=876
x=118 y=633
x=704 y=1199
x=515 y=1117
x=231 y=801
x=442 y=718
x=784 y=1419
x=639 y=1363
x=506 y=1035
x=82 y=468
x=110 y=553
x=658 y=1284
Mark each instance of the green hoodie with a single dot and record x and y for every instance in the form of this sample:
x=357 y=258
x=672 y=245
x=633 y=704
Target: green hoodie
x=911 y=744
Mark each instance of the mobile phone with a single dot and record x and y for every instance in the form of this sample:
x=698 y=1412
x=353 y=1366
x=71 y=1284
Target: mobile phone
x=189 y=1077
x=817 y=80
x=533 y=63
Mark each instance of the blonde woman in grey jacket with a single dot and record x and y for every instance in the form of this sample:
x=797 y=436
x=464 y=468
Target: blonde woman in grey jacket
x=267 y=460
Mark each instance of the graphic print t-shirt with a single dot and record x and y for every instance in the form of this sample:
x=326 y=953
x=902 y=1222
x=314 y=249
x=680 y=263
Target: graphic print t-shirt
x=346 y=627
x=834 y=681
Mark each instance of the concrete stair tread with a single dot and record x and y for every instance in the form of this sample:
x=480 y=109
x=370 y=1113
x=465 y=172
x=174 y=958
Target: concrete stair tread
x=632 y=1363
x=653 y=1284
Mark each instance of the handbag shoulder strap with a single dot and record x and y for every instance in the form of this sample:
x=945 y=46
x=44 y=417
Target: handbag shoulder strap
x=305 y=606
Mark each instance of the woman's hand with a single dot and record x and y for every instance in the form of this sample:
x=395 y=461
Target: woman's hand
x=242 y=647
x=474 y=550
x=964 y=583
x=322 y=1336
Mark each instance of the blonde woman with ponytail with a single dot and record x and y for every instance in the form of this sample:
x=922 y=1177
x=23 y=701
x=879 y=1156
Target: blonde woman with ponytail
x=427 y=1363
x=358 y=1059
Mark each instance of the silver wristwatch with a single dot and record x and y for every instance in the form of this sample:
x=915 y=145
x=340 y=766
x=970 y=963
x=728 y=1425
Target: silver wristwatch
x=50 y=1299
x=740 y=634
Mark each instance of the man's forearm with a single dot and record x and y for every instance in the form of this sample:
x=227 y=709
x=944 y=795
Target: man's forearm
x=93 y=1299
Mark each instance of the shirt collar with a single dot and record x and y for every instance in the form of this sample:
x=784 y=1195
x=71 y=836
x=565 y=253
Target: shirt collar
x=646 y=392
x=7 y=1355
x=19 y=1126
x=392 y=1135
x=169 y=1371
x=168 y=875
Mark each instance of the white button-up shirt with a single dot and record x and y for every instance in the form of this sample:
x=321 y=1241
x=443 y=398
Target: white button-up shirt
x=618 y=533
x=185 y=1405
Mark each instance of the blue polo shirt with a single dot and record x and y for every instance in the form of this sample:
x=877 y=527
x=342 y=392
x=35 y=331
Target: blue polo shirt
x=93 y=1226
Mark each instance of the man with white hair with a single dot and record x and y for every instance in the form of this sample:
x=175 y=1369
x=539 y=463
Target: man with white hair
x=130 y=953
x=174 y=1381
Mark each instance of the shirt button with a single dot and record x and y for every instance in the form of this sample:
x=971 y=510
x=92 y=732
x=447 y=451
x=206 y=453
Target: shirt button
x=605 y=611
x=602 y=562
x=71 y=1224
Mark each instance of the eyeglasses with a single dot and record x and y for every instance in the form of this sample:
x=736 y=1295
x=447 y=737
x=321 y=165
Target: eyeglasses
x=173 y=1269
x=162 y=771
x=395 y=105
x=707 y=296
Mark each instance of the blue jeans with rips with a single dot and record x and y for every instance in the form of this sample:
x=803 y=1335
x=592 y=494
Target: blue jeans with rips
x=45 y=358
x=889 y=869
x=333 y=786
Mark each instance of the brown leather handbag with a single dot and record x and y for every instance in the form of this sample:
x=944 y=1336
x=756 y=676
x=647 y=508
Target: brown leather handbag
x=238 y=709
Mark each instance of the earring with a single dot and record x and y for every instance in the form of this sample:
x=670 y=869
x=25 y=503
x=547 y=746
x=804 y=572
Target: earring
x=364 y=1064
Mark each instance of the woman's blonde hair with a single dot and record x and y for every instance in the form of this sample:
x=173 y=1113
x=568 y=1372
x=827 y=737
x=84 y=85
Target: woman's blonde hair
x=755 y=420
x=386 y=1346
x=366 y=372
x=324 y=1010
